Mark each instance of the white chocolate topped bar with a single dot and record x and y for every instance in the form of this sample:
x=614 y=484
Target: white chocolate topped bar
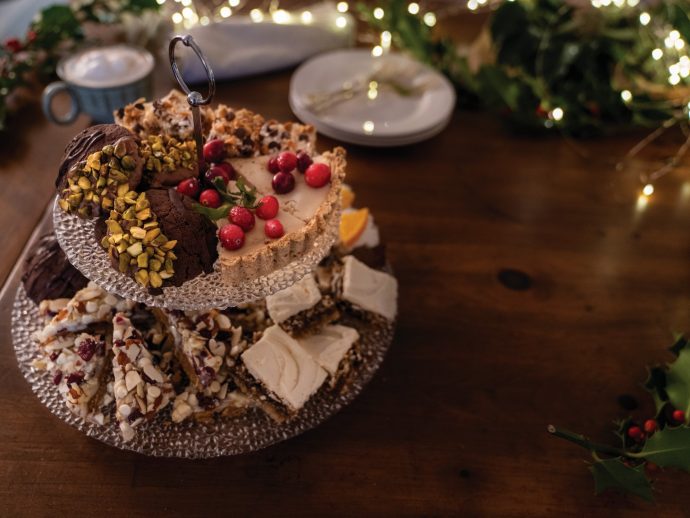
x=302 y=295
x=369 y=289
x=329 y=346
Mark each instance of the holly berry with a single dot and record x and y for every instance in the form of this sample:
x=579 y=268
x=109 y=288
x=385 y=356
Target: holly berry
x=231 y=237
x=317 y=175
x=268 y=207
x=287 y=161
x=13 y=45
x=283 y=183
x=242 y=217
x=650 y=426
x=214 y=151
x=210 y=198
x=222 y=170
x=272 y=165
x=189 y=187
x=303 y=161
x=635 y=432
x=274 y=229
x=678 y=415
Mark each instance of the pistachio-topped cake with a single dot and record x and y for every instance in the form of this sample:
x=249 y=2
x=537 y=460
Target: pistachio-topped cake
x=258 y=201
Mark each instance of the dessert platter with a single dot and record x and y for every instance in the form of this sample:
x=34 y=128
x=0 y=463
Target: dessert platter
x=158 y=376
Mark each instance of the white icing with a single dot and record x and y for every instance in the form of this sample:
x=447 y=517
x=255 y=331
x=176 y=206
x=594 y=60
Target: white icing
x=302 y=295
x=370 y=289
x=284 y=368
x=330 y=345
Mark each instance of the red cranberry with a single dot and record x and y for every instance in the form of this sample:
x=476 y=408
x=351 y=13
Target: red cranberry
x=231 y=237
x=317 y=175
x=287 y=161
x=635 y=432
x=268 y=207
x=210 y=198
x=189 y=187
x=272 y=165
x=283 y=183
x=650 y=426
x=274 y=229
x=87 y=349
x=13 y=45
x=57 y=378
x=214 y=151
x=75 y=378
x=678 y=415
x=303 y=161
x=242 y=217
x=222 y=170
x=54 y=355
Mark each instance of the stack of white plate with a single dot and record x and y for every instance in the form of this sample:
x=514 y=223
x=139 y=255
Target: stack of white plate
x=377 y=114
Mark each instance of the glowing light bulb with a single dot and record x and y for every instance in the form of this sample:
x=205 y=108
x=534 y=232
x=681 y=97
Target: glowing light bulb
x=472 y=5
x=626 y=95
x=377 y=51
x=204 y=20
x=256 y=15
x=177 y=18
x=342 y=7
x=430 y=19
x=648 y=190
x=368 y=127
x=341 y=21
x=413 y=8
x=645 y=18
x=657 y=54
x=378 y=13
x=160 y=2
x=234 y=3
x=557 y=114
x=281 y=16
x=307 y=17
x=225 y=11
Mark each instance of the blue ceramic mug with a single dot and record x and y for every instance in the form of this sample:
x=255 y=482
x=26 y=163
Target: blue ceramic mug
x=100 y=80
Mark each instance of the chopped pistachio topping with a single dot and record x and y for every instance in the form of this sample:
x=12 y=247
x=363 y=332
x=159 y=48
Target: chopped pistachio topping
x=136 y=243
x=167 y=154
x=93 y=185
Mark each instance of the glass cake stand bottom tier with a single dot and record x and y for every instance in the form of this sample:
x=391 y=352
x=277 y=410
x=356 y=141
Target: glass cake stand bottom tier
x=223 y=436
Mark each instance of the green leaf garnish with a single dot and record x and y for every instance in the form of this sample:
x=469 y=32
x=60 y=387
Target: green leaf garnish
x=615 y=474
x=211 y=213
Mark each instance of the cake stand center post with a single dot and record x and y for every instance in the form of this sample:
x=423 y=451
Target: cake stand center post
x=195 y=99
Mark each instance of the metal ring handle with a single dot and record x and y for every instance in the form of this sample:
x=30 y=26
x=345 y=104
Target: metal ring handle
x=193 y=98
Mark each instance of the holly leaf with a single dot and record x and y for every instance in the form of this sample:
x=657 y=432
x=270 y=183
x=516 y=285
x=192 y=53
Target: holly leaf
x=669 y=447
x=678 y=381
x=680 y=344
x=614 y=474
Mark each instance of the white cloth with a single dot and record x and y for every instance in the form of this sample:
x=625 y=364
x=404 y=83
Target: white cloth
x=237 y=46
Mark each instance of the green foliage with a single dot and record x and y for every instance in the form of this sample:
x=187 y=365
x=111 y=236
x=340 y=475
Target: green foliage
x=667 y=447
x=616 y=474
x=243 y=197
x=550 y=54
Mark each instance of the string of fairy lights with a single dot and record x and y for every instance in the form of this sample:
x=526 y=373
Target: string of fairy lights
x=670 y=50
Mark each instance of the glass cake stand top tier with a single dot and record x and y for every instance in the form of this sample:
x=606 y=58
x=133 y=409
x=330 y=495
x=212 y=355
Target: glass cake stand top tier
x=77 y=238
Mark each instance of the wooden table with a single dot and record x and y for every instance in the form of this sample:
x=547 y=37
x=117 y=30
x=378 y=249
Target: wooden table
x=531 y=292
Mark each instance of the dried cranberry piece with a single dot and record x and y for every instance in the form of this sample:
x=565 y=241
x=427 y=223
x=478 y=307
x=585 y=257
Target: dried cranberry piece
x=147 y=379
x=75 y=378
x=119 y=343
x=87 y=349
x=54 y=355
x=57 y=378
x=207 y=375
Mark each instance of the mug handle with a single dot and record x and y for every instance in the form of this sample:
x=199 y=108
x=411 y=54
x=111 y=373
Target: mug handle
x=47 y=102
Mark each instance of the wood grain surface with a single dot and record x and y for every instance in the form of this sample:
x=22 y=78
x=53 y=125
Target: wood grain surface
x=532 y=291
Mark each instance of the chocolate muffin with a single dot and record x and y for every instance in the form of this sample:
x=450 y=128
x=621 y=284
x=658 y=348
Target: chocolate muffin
x=48 y=274
x=93 y=139
x=196 y=248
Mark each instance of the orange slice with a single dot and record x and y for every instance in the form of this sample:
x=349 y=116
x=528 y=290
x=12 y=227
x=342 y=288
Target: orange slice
x=347 y=196
x=352 y=224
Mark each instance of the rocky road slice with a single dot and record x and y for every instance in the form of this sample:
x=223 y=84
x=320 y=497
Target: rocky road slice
x=141 y=389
